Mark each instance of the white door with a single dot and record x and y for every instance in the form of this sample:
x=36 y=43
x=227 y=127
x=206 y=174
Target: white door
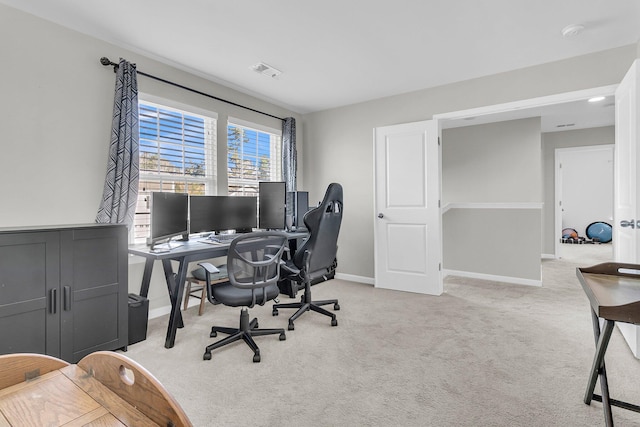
x=408 y=237
x=626 y=235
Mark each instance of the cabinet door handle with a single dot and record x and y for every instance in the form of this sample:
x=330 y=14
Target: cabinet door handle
x=67 y=298
x=53 y=301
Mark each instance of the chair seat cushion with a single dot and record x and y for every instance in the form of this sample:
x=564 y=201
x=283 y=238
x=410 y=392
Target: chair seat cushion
x=228 y=294
x=199 y=274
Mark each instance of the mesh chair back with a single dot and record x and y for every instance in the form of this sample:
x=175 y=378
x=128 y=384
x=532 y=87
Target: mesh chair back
x=253 y=262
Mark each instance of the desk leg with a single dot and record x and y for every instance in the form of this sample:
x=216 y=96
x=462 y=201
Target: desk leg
x=146 y=277
x=598 y=366
x=175 y=286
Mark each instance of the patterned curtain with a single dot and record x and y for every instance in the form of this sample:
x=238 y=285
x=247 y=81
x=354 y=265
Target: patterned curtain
x=121 y=184
x=289 y=155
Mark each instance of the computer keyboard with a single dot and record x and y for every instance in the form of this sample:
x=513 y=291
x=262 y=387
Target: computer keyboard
x=222 y=238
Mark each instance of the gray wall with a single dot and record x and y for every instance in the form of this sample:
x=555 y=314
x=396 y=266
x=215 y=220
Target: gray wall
x=56 y=107
x=493 y=163
x=339 y=147
x=503 y=243
x=564 y=139
x=55 y=112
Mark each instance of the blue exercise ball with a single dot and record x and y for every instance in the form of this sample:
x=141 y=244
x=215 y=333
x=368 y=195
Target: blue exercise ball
x=600 y=230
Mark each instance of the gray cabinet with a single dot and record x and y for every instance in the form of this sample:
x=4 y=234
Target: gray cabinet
x=63 y=290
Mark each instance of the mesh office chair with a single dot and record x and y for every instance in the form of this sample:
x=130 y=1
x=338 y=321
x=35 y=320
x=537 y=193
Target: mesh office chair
x=253 y=267
x=315 y=261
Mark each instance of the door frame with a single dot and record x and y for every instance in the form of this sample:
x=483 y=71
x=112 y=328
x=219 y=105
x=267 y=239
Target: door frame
x=558 y=188
x=537 y=102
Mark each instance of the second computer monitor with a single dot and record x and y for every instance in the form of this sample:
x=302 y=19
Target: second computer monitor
x=205 y=214
x=220 y=213
x=272 y=196
x=242 y=213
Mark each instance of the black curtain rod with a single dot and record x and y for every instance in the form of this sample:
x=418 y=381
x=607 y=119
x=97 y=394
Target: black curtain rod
x=106 y=62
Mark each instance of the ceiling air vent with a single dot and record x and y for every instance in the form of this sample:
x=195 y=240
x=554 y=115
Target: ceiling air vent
x=266 y=69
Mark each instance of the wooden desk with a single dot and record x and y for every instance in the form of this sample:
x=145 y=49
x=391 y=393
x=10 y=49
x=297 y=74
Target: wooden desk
x=613 y=290
x=189 y=251
x=103 y=389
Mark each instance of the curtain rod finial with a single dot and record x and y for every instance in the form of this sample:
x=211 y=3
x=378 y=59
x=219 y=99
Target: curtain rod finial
x=106 y=61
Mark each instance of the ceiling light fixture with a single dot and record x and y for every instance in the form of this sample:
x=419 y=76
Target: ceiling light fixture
x=266 y=69
x=572 y=30
x=596 y=99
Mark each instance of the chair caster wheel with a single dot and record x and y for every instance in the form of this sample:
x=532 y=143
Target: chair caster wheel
x=291 y=327
x=256 y=326
x=336 y=306
x=213 y=334
x=334 y=322
x=256 y=358
x=283 y=337
x=206 y=356
x=274 y=312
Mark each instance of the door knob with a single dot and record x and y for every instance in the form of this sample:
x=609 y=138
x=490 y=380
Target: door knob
x=631 y=223
x=380 y=215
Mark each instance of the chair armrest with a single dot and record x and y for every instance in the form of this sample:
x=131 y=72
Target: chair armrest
x=209 y=267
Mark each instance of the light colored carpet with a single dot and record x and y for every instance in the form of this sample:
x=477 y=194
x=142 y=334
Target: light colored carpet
x=481 y=354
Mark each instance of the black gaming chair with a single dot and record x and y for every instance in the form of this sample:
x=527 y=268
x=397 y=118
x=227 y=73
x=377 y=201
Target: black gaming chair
x=253 y=266
x=315 y=260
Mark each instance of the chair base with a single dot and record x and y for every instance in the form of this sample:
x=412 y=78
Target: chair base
x=305 y=305
x=246 y=332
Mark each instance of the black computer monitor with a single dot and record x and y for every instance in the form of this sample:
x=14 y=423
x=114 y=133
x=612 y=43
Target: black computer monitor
x=206 y=214
x=169 y=216
x=241 y=213
x=272 y=197
x=221 y=213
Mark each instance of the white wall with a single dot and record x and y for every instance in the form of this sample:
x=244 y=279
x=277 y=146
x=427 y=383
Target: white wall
x=339 y=142
x=586 y=179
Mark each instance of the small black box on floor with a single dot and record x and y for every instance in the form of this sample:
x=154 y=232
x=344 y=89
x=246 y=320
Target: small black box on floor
x=138 y=315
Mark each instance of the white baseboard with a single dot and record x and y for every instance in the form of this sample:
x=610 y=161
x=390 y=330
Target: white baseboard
x=160 y=311
x=506 y=279
x=354 y=278
x=548 y=256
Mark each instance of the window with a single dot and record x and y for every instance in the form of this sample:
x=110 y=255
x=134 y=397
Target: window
x=253 y=156
x=177 y=154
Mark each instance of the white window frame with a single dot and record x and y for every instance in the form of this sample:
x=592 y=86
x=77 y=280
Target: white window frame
x=209 y=179
x=275 y=154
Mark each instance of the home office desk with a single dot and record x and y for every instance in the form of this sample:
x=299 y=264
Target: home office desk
x=189 y=251
x=613 y=290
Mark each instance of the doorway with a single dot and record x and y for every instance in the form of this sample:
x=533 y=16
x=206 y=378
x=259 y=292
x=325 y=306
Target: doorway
x=535 y=107
x=583 y=196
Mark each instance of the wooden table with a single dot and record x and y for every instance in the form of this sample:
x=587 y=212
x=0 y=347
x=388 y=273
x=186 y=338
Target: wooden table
x=103 y=389
x=613 y=290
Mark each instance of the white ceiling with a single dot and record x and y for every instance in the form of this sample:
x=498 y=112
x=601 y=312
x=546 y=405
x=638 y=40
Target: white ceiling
x=339 y=52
